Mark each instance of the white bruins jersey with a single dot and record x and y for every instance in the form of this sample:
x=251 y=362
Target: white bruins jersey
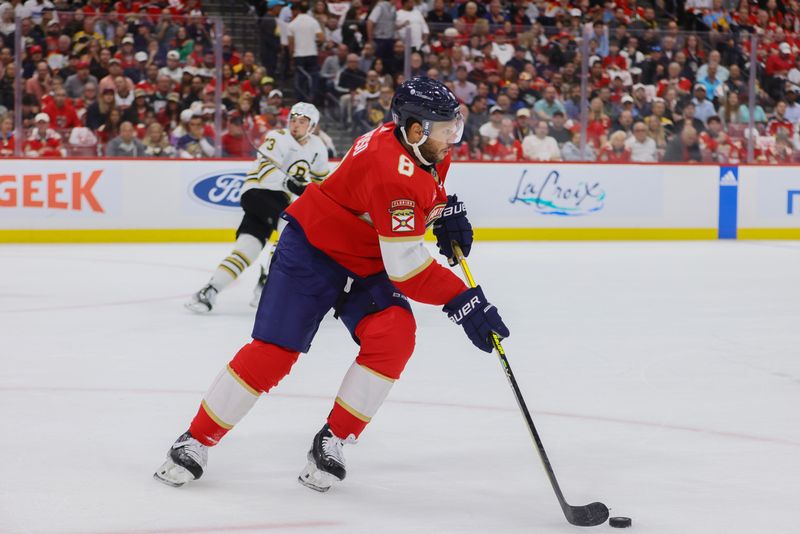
x=281 y=156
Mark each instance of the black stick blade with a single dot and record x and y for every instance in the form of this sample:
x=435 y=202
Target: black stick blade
x=590 y=515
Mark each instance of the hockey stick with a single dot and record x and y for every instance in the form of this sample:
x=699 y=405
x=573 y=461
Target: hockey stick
x=589 y=515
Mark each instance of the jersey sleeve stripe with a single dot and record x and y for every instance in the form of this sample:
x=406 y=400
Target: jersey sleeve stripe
x=404 y=259
x=261 y=177
x=388 y=239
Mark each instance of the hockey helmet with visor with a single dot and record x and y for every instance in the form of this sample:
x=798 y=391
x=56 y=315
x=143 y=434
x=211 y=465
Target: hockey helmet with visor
x=304 y=109
x=433 y=106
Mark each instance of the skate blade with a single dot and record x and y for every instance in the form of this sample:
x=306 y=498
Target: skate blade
x=316 y=479
x=197 y=307
x=172 y=474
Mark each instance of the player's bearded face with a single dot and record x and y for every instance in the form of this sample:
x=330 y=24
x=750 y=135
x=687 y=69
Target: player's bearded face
x=443 y=135
x=298 y=126
x=434 y=151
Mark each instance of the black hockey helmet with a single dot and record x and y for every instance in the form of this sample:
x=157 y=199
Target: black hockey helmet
x=423 y=99
x=434 y=106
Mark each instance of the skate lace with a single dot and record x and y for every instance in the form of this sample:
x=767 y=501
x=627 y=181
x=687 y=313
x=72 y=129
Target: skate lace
x=208 y=292
x=194 y=450
x=332 y=447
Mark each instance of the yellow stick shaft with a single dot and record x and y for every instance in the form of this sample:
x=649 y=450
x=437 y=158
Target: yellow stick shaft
x=462 y=261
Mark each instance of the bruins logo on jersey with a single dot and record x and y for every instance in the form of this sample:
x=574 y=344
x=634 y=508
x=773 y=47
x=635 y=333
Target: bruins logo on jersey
x=300 y=170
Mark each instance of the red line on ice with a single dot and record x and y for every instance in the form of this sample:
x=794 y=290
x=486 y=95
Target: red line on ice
x=616 y=420
x=227 y=528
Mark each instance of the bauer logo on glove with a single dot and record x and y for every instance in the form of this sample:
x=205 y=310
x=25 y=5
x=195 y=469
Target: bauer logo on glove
x=478 y=318
x=452 y=226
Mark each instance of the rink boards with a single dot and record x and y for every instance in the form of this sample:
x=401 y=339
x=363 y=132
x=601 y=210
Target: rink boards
x=177 y=200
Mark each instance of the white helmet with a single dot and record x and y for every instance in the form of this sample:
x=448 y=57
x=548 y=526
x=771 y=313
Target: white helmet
x=310 y=111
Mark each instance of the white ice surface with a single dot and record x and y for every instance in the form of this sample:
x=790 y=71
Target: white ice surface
x=664 y=380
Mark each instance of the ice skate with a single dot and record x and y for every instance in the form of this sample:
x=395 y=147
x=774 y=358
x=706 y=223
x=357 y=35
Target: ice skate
x=186 y=460
x=326 y=463
x=262 y=280
x=203 y=301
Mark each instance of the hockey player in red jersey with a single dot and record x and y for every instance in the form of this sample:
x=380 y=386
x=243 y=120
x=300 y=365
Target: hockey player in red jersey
x=355 y=244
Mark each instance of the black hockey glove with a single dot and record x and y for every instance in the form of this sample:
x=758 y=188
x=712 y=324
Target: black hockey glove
x=478 y=318
x=296 y=185
x=453 y=225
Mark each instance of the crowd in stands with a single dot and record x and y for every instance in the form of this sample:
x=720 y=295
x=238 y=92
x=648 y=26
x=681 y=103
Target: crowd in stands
x=665 y=81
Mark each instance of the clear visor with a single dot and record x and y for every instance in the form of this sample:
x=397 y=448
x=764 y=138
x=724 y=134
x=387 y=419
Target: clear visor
x=449 y=131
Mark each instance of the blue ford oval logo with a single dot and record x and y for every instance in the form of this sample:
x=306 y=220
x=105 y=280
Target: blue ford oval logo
x=222 y=190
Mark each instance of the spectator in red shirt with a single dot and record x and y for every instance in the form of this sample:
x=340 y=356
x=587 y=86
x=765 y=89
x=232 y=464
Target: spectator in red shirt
x=504 y=147
x=470 y=17
x=714 y=141
x=598 y=77
x=781 y=152
x=61 y=110
x=781 y=63
x=778 y=121
x=234 y=142
x=7 y=143
x=613 y=60
x=472 y=150
x=44 y=142
x=598 y=124
x=674 y=79
x=615 y=150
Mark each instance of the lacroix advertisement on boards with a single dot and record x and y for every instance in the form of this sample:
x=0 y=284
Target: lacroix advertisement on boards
x=197 y=200
x=58 y=188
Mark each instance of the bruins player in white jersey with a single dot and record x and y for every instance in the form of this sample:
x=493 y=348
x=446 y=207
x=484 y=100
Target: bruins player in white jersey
x=287 y=161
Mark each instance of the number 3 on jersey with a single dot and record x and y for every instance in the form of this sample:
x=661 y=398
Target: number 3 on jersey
x=405 y=165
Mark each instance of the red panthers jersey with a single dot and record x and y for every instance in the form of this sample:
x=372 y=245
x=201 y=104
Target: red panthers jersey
x=370 y=215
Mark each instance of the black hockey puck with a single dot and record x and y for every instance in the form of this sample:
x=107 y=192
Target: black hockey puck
x=620 y=522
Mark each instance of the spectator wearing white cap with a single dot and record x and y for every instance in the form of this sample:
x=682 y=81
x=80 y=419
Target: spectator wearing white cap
x=522 y=124
x=705 y=108
x=195 y=145
x=137 y=71
x=491 y=129
x=781 y=63
x=173 y=67
x=183 y=126
x=43 y=141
